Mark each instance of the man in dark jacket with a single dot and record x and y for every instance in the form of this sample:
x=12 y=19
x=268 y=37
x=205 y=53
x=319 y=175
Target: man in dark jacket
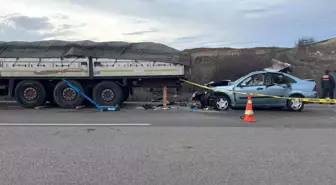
x=328 y=85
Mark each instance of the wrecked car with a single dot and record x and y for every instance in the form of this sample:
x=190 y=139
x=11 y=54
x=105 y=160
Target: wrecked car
x=206 y=97
x=270 y=81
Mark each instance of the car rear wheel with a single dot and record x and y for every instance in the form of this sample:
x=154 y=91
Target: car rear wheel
x=221 y=103
x=295 y=105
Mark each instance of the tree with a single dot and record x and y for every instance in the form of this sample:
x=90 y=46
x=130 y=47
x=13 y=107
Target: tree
x=305 y=42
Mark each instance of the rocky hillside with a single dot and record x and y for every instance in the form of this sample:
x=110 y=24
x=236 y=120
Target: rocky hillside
x=229 y=63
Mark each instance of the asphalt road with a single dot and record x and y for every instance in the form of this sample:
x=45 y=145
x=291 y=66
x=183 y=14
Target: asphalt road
x=176 y=146
x=316 y=116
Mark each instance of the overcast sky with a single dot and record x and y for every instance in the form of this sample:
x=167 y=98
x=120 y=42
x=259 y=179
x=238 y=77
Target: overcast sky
x=178 y=23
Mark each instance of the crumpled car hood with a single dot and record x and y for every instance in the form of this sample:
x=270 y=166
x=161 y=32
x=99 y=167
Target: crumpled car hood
x=218 y=83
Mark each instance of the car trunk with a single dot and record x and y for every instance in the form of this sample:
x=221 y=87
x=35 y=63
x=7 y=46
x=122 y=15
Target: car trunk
x=311 y=80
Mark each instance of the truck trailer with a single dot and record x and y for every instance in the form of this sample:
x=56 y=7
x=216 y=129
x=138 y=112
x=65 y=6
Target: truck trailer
x=33 y=72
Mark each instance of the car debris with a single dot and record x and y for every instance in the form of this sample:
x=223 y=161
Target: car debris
x=278 y=66
x=148 y=106
x=156 y=107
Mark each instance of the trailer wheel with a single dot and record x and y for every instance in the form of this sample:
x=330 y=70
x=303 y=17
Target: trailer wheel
x=107 y=93
x=30 y=93
x=66 y=97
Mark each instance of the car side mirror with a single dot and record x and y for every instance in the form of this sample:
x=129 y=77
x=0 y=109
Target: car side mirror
x=284 y=85
x=242 y=85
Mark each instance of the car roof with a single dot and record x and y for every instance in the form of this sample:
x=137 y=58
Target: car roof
x=276 y=72
x=262 y=72
x=259 y=72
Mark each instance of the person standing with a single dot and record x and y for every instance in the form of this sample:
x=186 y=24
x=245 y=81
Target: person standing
x=328 y=85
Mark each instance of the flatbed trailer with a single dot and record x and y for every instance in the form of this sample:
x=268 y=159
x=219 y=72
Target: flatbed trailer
x=33 y=72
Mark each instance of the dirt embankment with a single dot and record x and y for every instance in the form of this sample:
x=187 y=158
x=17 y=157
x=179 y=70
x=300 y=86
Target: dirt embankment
x=229 y=63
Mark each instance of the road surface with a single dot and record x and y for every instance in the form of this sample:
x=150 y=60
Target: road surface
x=134 y=146
x=317 y=116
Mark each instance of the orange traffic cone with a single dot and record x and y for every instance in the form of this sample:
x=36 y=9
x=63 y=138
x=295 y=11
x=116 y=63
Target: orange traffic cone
x=248 y=116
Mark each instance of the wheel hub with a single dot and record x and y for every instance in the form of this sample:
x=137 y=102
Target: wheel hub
x=222 y=103
x=296 y=104
x=107 y=95
x=30 y=94
x=69 y=94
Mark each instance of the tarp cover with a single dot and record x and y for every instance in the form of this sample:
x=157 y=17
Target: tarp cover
x=116 y=50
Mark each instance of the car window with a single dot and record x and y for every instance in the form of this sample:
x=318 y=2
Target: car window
x=254 y=80
x=239 y=79
x=279 y=79
x=289 y=79
x=268 y=80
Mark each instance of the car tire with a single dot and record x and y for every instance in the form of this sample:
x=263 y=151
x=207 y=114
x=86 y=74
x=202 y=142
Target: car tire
x=37 y=94
x=114 y=93
x=66 y=97
x=295 y=105
x=221 y=103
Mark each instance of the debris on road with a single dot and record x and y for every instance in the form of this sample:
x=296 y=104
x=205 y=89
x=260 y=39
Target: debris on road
x=198 y=106
x=40 y=107
x=56 y=133
x=148 y=106
x=155 y=107
x=90 y=130
x=80 y=107
x=188 y=147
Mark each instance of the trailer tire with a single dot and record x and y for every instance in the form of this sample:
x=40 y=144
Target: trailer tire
x=30 y=93
x=107 y=93
x=66 y=97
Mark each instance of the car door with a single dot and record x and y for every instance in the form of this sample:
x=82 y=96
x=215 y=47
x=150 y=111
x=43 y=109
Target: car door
x=251 y=84
x=276 y=85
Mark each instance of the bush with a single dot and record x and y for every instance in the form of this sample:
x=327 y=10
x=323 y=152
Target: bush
x=304 y=42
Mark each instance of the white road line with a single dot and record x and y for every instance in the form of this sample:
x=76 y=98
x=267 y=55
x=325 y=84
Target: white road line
x=75 y=124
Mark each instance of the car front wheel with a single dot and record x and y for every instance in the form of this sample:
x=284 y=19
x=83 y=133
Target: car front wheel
x=295 y=105
x=221 y=103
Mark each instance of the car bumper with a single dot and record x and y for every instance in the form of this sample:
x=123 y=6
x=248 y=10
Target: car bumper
x=311 y=95
x=196 y=96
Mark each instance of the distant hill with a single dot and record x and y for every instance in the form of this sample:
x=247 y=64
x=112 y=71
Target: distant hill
x=230 y=63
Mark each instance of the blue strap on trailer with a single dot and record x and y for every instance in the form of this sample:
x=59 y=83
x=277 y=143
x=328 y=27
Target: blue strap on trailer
x=100 y=108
